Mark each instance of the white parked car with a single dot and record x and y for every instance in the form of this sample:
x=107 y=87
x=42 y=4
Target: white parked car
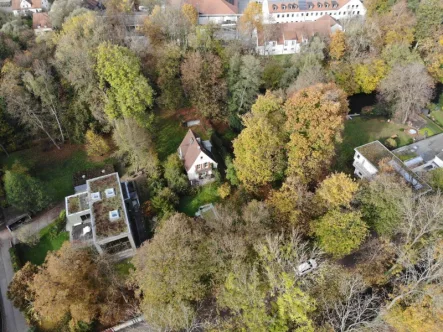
x=307 y=267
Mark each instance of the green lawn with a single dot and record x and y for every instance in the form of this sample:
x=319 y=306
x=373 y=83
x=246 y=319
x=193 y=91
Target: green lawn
x=169 y=135
x=438 y=116
x=54 y=168
x=206 y=194
x=430 y=129
x=37 y=253
x=123 y=267
x=362 y=130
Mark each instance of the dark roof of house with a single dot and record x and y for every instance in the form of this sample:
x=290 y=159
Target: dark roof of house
x=190 y=148
x=81 y=177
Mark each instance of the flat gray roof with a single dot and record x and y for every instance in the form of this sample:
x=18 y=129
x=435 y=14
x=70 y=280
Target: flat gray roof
x=427 y=148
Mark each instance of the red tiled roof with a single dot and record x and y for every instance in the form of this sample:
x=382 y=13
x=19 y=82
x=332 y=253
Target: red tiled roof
x=41 y=20
x=210 y=7
x=190 y=149
x=301 y=30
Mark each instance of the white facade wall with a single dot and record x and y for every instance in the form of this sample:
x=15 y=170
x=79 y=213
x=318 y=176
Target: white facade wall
x=217 y=19
x=272 y=48
x=438 y=161
x=201 y=159
x=352 y=8
x=363 y=167
x=26 y=8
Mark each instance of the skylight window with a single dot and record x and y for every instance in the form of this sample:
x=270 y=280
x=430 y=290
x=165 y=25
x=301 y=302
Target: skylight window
x=110 y=192
x=114 y=215
x=96 y=196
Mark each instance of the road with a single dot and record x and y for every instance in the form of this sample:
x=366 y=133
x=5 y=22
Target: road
x=14 y=320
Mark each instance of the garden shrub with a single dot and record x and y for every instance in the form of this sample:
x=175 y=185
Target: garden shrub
x=15 y=259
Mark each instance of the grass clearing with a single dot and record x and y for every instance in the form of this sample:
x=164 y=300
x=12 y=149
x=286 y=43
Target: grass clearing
x=170 y=133
x=204 y=195
x=37 y=254
x=438 y=116
x=54 y=168
x=124 y=267
x=361 y=130
x=431 y=128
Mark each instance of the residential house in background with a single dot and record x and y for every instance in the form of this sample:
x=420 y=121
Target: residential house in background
x=424 y=155
x=213 y=11
x=98 y=216
x=290 y=36
x=197 y=158
x=281 y=11
x=41 y=23
x=27 y=7
x=370 y=157
x=5 y=3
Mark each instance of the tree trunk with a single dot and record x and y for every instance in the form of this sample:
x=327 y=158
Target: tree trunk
x=3 y=148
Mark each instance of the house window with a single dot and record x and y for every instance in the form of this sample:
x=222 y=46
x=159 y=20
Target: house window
x=358 y=156
x=278 y=16
x=85 y=217
x=199 y=166
x=358 y=12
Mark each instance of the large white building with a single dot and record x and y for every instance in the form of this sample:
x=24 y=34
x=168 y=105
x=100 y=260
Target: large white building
x=290 y=36
x=419 y=157
x=27 y=7
x=283 y=11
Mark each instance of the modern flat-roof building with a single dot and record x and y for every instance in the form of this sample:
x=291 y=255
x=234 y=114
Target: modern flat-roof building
x=98 y=216
x=369 y=158
x=424 y=155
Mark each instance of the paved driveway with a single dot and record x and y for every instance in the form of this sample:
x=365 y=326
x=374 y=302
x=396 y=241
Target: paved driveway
x=14 y=320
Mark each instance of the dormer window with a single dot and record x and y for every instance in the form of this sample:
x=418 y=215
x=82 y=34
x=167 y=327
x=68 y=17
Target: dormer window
x=283 y=7
x=295 y=6
x=274 y=7
x=311 y=6
x=110 y=192
x=96 y=196
x=114 y=215
x=191 y=141
x=326 y=5
x=319 y=5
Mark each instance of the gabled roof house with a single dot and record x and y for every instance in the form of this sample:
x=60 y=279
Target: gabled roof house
x=27 y=7
x=214 y=11
x=197 y=158
x=290 y=36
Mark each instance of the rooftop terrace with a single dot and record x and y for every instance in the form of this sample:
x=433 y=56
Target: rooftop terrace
x=108 y=211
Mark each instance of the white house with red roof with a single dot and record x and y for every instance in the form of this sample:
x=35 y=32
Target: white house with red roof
x=213 y=11
x=27 y=7
x=291 y=36
x=287 y=11
x=197 y=158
